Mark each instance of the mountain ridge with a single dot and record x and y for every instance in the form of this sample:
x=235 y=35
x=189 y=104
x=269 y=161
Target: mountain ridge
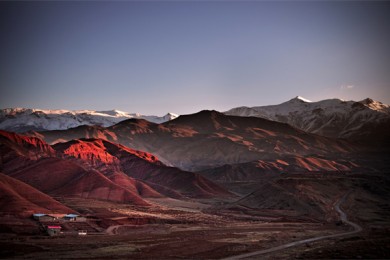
x=27 y=119
x=334 y=118
x=208 y=139
x=98 y=169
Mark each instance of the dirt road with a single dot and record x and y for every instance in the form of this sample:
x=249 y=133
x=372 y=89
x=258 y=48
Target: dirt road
x=343 y=218
x=112 y=230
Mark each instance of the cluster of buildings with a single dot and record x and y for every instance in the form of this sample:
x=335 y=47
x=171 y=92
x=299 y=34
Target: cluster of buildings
x=53 y=223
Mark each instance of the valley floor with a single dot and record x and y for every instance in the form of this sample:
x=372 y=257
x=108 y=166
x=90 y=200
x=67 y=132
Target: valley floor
x=216 y=228
x=174 y=229
x=164 y=241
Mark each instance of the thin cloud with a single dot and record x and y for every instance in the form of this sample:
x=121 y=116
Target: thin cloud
x=347 y=86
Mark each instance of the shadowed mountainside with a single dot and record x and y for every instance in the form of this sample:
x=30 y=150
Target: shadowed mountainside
x=209 y=139
x=365 y=121
x=312 y=195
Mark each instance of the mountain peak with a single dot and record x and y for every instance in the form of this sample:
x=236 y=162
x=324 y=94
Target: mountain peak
x=375 y=105
x=169 y=116
x=367 y=101
x=113 y=112
x=208 y=112
x=201 y=121
x=299 y=98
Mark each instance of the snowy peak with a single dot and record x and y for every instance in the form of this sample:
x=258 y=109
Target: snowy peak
x=300 y=99
x=329 y=117
x=375 y=105
x=25 y=119
x=170 y=116
x=113 y=112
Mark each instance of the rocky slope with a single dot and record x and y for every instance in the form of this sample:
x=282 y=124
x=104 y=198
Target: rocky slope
x=209 y=139
x=260 y=169
x=111 y=158
x=332 y=117
x=98 y=169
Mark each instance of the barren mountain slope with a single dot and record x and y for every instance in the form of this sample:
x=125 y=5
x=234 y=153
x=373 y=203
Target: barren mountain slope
x=313 y=195
x=257 y=170
x=94 y=168
x=210 y=139
x=331 y=117
x=59 y=177
x=20 y=198
x=113 y=159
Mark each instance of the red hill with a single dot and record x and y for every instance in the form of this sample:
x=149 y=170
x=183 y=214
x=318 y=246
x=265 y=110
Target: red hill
x=136 y=186
x=26 y=145
x=18 y=150
x=113 y=158
x=20 y=198
x=59 y=177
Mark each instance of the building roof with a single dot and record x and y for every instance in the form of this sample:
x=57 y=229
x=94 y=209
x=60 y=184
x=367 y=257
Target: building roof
x=56 y=215
x=71 y=216
x=54 y=227
x=39 y=215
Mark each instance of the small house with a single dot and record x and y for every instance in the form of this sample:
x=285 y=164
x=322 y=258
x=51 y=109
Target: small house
x=57 y=216
x=53 y=230
x=43 y=217
x=38 y=215
x=82 y=232
x=74 y=217
x=71 y=217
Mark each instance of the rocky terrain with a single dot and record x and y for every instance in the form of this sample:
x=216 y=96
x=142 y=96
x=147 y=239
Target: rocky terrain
x=209 y=139
x=332 y=117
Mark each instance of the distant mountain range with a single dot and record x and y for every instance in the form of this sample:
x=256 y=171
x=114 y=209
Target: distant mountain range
x=336 y=118
x=332 y=117
x=23 y=119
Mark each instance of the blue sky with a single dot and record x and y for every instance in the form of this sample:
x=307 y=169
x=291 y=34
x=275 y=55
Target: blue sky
x=184 y=56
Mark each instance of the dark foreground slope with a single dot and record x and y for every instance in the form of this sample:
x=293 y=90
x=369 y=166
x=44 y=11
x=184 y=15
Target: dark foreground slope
x=19 y=198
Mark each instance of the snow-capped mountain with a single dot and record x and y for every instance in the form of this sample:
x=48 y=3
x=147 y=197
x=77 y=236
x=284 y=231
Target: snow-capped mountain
x=330 y=117
x=23 y=119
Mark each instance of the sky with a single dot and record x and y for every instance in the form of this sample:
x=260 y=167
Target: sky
x=154 y=57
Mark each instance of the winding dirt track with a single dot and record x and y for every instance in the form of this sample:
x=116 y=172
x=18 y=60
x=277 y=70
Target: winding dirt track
x=343 y=218
x=112 y=230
